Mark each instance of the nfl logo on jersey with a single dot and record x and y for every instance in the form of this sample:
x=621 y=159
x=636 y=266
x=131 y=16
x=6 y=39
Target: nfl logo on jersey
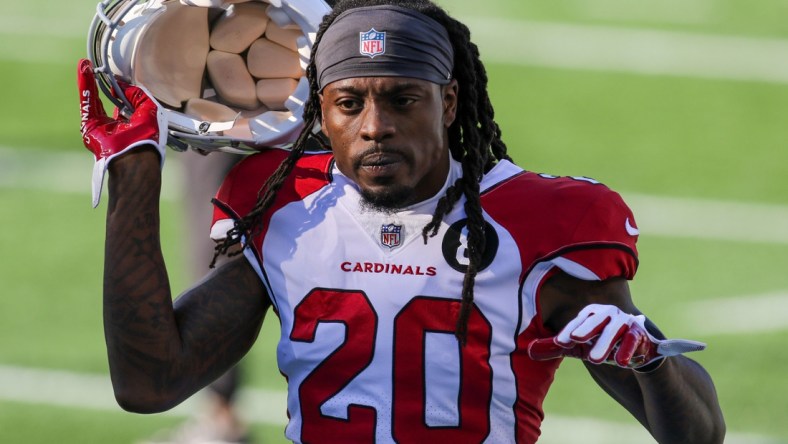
x=390 y=235
x=372 y=43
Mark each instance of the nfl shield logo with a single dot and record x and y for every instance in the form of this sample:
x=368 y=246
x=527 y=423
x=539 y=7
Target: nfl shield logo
x=390 y=235
x=372 y=43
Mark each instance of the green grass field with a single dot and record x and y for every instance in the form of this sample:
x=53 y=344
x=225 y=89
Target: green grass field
x=706 y=138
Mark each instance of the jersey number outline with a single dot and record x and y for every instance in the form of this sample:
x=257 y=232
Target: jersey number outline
x=421 y=315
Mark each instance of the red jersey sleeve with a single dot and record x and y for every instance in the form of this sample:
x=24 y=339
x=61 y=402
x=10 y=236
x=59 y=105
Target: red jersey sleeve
x=604 y=239
x=578 y=224
x=240 y=190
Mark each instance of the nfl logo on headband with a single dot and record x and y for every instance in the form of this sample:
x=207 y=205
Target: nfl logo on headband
x=372 y=43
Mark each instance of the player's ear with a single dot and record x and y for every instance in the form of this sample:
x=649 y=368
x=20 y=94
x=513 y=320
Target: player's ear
x=323 y=116
x=450 y=93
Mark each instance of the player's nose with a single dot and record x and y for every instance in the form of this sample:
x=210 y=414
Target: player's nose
x=376 y=125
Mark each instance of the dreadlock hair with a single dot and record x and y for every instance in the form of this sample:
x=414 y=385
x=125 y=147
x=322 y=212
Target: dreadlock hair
x=474 y=141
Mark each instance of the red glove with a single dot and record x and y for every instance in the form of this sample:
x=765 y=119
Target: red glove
x=108 y=137
x=604 y=334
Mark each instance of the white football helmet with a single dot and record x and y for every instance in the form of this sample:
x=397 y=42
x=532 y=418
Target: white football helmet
x=228 y=73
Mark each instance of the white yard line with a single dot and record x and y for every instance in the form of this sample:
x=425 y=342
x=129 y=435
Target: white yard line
x=519 y=42
x=663 y=11
x=40 y=40
x=93 y=392
x=69 y=172
x=709 y=219
x=746 y=314
x=27 y=26
x=630 y=50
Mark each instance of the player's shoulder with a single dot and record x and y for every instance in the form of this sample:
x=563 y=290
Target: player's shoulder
x=260 y=166
x=554 y=215
x=243 y=183
x=513 y=186
x=254 y=170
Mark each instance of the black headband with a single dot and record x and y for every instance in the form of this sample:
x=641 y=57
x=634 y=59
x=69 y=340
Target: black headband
x=384 y=41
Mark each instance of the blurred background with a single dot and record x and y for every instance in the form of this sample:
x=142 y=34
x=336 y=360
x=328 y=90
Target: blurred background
x=680 y=106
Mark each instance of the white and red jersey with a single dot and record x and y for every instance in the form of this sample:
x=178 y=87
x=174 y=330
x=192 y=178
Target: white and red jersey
x=368 y=310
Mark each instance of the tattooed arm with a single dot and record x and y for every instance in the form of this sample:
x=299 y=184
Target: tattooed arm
x=676 y=402
x=161 y=353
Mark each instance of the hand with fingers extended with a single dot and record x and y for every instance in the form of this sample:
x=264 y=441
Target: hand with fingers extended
x=605 y=334
x=108 y=137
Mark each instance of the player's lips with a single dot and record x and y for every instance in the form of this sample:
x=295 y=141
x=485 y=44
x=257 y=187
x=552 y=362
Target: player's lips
x=381 y=163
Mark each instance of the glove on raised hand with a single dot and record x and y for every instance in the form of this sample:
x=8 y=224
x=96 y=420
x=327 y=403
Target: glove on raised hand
x=108 y=137
x=605 y=334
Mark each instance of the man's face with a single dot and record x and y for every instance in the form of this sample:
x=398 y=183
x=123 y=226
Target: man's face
x=389 y=135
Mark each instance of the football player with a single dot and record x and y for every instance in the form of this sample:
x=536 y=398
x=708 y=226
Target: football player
x=426 y=287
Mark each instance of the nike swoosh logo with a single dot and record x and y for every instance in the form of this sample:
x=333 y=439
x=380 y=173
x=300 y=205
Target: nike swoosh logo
x=632 y=231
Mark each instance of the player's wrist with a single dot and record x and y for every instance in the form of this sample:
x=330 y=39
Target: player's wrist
x=143 y=156
x=651 y=367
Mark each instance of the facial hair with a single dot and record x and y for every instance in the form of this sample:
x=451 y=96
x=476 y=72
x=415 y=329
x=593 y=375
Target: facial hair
x=389 y=200
x=393 y=196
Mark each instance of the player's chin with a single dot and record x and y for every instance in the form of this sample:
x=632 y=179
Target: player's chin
x=388 y=197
